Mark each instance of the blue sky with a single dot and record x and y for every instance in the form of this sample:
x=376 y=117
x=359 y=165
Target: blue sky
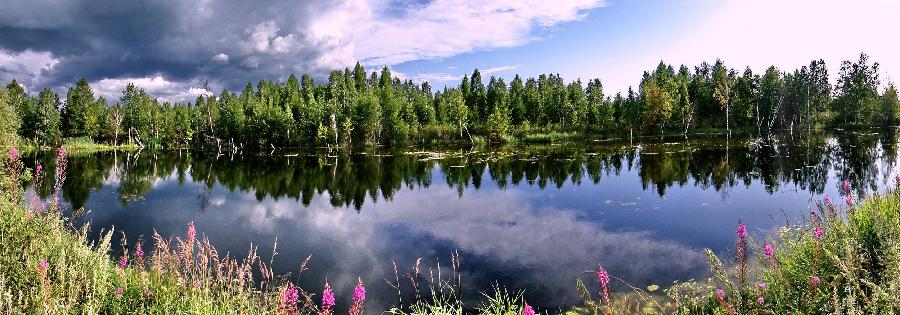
x=171 y=48
x=618 y=40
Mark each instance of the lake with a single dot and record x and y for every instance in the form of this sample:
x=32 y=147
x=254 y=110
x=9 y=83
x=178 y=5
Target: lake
x=532 y=218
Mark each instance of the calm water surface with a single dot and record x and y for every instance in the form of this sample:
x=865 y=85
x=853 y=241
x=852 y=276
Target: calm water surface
x=531 y=218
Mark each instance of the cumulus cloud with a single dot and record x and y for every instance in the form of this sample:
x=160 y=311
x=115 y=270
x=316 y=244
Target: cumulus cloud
x=54 y=45
x=26 y=66
x=155 y=85
x=220 y=58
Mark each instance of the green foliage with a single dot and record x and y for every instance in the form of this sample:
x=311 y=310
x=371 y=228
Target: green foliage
x=9 y=122
x=351 y=109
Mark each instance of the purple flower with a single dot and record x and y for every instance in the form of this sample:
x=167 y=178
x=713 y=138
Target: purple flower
x=119 y=291
x=43 y=264
x=741 y=230
x=139 y=252
x=827 y=200
x=849 y=200
x=815 y=280
x=769 y=250
x=37 y=170
x=818 y=233
x=359 y=293
x=527 y=310
x=191 y=232
x=760 y=300
x=761 y=285
x=602 y=277
x=846 y=185
x=123 y=262
x=289 y=296
x=720 y=294
x=13 y=154
x=61 y=154
x=327 y=297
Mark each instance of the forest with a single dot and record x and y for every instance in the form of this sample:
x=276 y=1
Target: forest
x=354 y=108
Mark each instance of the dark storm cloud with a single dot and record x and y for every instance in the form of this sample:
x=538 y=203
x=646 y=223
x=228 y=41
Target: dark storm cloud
x=177 y=40
x=174 y=46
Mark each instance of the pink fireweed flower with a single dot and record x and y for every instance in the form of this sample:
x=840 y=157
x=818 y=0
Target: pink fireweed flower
x=120 y=290
x=849 y=200
x=720 y=295
x=761 y=300
x=61 y=153
x=139 y=252
x=818 y=233
x=13 y=154
x=191 y=232
x=769 y=250
x=43 y=264
x=123 y=262
x=148 y=294
x=527 y=310
x=761 y=286
x=846 y=185
x=815 y=280
x=37 y=170
x=289 y=296
x=603 y=280
x=327 y=297
x=359 y=293
x=827 y=200
x=196 y=283
x=741 y=230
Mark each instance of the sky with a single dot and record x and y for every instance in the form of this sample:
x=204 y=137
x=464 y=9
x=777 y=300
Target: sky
x=173 y=48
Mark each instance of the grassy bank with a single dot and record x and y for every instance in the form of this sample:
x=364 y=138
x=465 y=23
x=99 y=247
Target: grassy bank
x=844 y=257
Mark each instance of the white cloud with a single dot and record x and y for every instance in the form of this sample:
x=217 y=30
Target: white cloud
x=220 y=58
x=446 y=77
x=26 y=66
x=155 y=86
x=369 y=31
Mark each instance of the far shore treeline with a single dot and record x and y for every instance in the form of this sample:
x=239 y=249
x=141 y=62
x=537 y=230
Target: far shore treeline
x=354 y=108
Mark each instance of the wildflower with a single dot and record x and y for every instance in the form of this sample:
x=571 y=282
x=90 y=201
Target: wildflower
x=120 y=290
x=327 y=297
x=527 y=310
x=827 y=200
x=37 y=170
x=359 y=293
x=289 y=295
x=359 y=297
x=769 y=250
x=849 y=200
x=196 y=283
x=741 y=230
x=191 y=232
x=148 y=294
x=761 y=286
x=13 y=154
x=139 y=252
x=123 y=262
x=760 y=300
x=812 y=213
x=720 y=295
x=846 y=185
x=815 y=280
x=603 y=280
x=61 y=153
x=818 y=233
x=43 y=264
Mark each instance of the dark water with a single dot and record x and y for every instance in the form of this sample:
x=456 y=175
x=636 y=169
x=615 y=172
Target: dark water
x=530 y=218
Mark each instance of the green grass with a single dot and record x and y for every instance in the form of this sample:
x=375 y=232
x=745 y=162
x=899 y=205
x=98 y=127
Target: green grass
x=551 y=137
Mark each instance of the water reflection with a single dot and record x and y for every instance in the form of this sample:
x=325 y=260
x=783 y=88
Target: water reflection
x=532 y=218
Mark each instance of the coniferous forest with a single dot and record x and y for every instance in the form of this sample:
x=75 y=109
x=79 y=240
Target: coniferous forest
x=354 y=108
